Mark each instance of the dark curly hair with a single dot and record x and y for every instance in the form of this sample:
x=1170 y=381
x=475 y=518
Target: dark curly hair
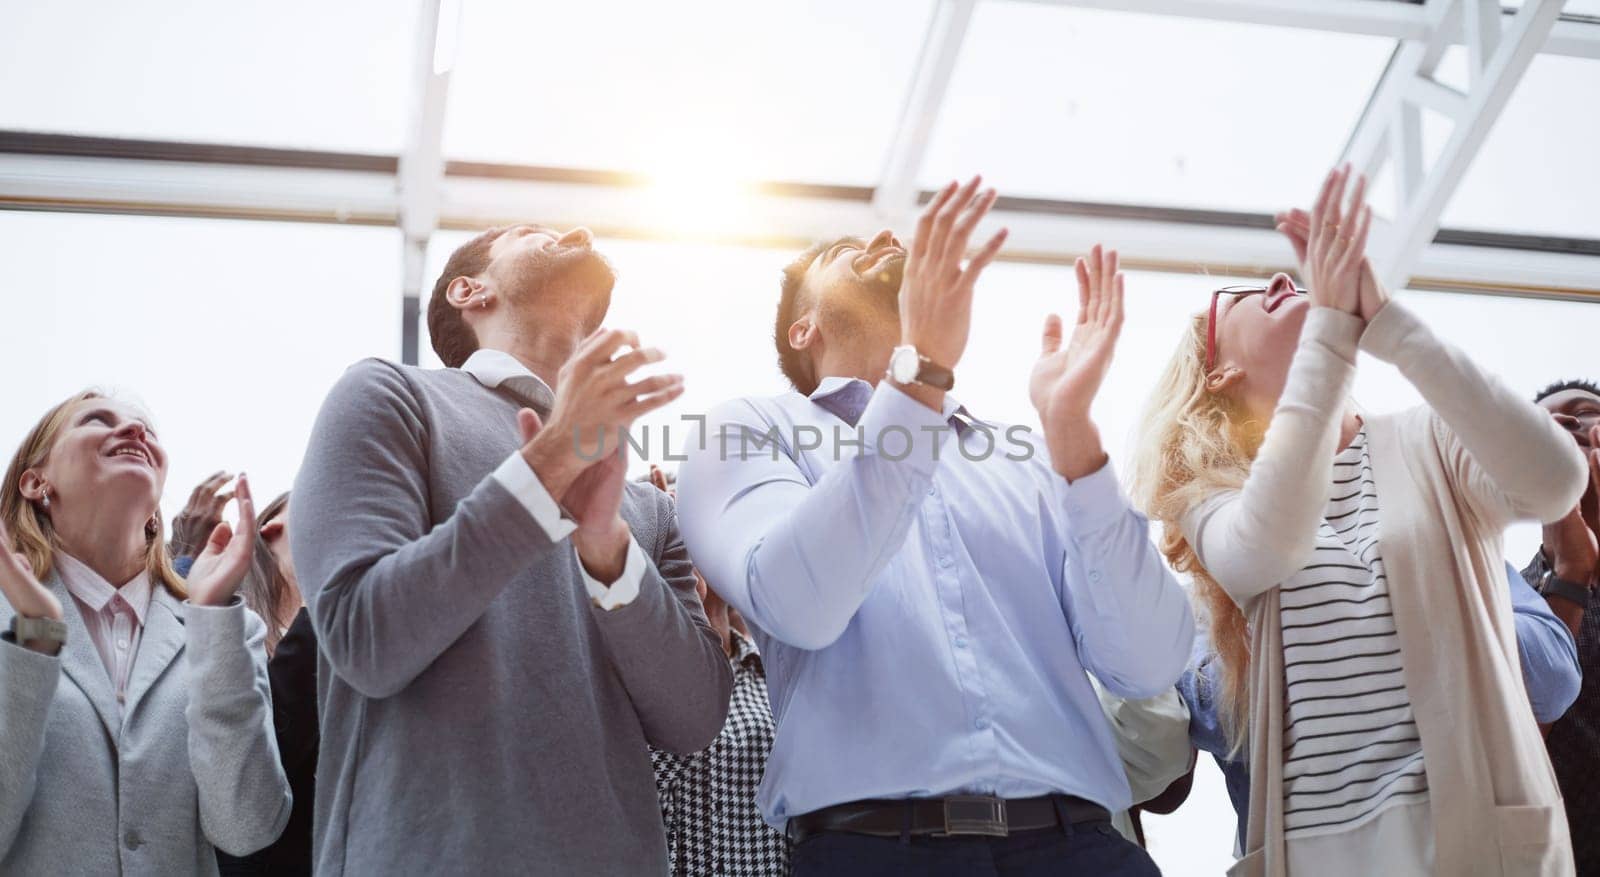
x=794 y=364
x=1562 y=386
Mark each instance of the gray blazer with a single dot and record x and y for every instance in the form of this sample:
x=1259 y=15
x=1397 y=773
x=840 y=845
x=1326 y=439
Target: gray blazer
x=192 y=764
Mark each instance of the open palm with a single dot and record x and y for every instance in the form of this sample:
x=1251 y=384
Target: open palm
x=28 y=597
x=217 y=572
x=1067 y=376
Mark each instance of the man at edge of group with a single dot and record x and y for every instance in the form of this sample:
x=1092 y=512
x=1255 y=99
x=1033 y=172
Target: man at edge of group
x=928 y=594
x=1564 y=571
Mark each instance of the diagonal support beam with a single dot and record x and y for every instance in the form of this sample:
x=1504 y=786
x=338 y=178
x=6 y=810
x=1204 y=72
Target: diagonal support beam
x=420 y=182
x=896 y=194
x=1391 y=129
x=1380 y=18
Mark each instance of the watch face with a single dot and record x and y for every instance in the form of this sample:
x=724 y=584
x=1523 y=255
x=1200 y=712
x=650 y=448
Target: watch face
x=903 y=364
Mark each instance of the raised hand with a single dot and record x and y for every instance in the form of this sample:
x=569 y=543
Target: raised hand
x=1572 y=544
x=1337 y=243
x=936 y=292
x=200 y=515
x=658 y=478
x=28 y=597
x=1372 y=294
x=1295 y=224
x=225 y=559
x=595 y=404
x=1067 y=376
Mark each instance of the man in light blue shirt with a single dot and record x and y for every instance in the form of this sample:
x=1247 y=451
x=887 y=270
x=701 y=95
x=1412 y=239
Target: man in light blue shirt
x=928 y=588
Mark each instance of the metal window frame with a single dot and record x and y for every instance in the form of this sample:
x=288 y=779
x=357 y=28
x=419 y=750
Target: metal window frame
x=420 y=191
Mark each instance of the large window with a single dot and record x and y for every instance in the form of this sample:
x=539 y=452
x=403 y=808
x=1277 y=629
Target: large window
x=291 y=73
x=229 y=332
x=808 y=92
x=1095 y=105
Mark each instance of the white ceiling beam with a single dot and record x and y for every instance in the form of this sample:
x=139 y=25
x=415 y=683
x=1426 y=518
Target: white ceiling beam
x=784 y=221
x=896 y=194
x=1380 y=18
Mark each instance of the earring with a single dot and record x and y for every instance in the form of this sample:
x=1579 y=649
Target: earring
x=483 y=302
x=45 y=501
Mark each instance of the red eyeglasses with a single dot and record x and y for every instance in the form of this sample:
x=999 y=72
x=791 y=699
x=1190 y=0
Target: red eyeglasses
x=1237 y=292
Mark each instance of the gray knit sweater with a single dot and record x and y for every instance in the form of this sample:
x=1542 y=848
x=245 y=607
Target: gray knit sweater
x=479 y=714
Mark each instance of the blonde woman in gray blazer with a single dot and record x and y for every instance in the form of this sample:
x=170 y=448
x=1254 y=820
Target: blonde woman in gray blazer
x=135 y=716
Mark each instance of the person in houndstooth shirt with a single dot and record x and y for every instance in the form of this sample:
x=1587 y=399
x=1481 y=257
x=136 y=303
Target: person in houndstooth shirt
x=708 y=799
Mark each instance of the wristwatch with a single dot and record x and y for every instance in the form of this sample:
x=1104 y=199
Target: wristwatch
x=1555 y=587
x=907 y=366
x=46 y=630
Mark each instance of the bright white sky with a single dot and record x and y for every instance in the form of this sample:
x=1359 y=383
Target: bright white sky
x=231 y=331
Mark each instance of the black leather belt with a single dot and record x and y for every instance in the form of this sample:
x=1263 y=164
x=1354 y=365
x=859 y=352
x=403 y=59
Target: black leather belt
x=948 y=817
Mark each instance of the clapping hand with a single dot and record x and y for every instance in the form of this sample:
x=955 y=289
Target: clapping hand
x=1572 y=543
x=223 y=562
x=595 y=401
x=1335 y=248
x=27 y=596
x=1067 y=377
x=936 y=292
x=1295 y=224
x=200 y=515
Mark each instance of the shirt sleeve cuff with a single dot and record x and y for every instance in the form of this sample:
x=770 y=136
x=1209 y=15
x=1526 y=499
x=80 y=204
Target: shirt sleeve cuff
x=209 y=627
x=1092 y=501
x=899 y=428
x=1389 y=331
x=1338 y=331
x=622 y=591
x=518 y=478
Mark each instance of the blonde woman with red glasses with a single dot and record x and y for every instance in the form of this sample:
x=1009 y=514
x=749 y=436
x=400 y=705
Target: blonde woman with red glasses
x=1350 y=565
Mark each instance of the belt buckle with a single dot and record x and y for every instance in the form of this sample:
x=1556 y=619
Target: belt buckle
x=975 y=814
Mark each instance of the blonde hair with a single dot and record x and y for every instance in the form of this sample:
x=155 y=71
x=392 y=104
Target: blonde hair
x=1194 y=443
x=33 y=534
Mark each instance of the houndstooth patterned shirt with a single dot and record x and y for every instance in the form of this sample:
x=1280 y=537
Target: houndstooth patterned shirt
x=708 y=799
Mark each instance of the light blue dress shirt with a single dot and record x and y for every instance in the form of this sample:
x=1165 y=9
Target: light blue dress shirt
x=926 y=618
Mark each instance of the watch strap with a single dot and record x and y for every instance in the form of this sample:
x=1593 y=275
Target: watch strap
x=47 y=629
x=1567 y=590
x=934 y=374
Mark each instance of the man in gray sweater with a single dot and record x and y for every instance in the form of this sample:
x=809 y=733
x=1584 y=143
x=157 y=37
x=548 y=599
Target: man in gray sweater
x=505 y=622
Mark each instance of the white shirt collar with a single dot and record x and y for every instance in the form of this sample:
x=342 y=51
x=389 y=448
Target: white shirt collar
x=846 y=398
x=494 y=367
x=95 y=592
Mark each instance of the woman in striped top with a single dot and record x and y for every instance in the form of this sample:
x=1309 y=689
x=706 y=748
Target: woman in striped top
x=1375 y=683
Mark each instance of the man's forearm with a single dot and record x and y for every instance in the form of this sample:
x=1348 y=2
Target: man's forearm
x=1075 y=449
x=1570 y=613
x=604 y=553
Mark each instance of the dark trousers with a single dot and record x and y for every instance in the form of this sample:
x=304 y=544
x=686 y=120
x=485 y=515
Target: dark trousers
x=1093 y=848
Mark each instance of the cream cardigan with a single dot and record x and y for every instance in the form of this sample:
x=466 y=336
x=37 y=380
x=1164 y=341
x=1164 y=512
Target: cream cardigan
x=1451 y=475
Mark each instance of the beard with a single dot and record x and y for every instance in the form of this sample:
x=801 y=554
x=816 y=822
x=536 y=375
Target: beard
x=579 y=269
x=577 y=277
x=881 y=285
x=866 y=308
